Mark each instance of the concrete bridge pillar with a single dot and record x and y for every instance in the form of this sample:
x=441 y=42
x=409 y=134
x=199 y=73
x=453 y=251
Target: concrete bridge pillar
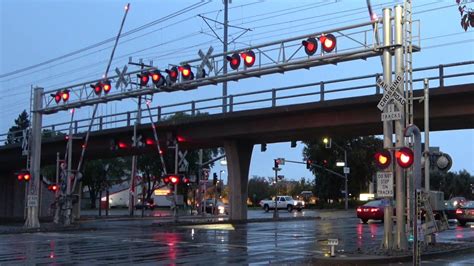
x=238 y=155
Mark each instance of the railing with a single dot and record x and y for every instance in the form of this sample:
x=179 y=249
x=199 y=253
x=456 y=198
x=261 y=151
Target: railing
x=270 y=98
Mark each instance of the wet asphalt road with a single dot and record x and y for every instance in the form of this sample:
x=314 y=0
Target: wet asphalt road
x=135 y=242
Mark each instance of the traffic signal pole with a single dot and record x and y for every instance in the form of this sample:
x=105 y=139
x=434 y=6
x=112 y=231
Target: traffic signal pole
x=224 y=69
x=401 y=238
x=387 y=125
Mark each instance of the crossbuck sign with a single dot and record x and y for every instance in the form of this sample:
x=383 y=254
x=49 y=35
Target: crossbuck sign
x=390 y=93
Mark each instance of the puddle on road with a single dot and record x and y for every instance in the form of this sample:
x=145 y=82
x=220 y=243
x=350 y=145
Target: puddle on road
x=227 y=227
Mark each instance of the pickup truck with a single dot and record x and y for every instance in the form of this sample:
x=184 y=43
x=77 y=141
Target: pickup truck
x=283 y=202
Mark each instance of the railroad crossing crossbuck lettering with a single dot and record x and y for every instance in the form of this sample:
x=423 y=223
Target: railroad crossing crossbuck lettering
x=390 y=93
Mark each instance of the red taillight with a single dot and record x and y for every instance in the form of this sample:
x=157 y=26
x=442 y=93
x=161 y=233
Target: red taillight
x=374 y=209
x=459 y=211
x=359 y=209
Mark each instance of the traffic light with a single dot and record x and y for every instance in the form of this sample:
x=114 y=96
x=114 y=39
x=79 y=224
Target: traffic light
x=186 y=72
x=65 y=95
x=234 y=61
x=53 y=187
x=310 y=46
x=56 y=96
x=157 y=78
x=97 y=88
x=327 y=142
x=383 y=159
x=144 y=77
x=404 y=157
x=276 y=163
x=328 y=42
x=308 y=164
x=249 y=58
x=214 y=179
x=172 y=74
x=106 y=86
x=24 y=176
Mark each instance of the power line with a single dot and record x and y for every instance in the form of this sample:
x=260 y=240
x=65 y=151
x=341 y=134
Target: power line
x=173 y=15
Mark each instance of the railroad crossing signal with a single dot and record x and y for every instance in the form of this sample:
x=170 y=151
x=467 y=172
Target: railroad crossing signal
x=172 y=74
x=234 y=61
x=24 y=176
x=249 y=58
x=383 y=159
x=328 y=42
x=205 y=58
x=405 y=157
x=310 y=46
x=121 y=77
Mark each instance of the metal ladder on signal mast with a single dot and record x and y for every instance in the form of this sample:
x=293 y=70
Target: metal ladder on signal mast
x=408 y=60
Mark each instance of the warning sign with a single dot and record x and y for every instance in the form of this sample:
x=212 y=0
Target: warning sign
x=384 y=184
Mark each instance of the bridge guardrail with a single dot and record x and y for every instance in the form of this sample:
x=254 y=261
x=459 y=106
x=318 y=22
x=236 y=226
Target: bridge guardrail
x=268 y=98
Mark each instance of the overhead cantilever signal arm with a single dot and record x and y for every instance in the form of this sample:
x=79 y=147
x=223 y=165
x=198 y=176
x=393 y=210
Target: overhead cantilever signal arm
x=335 y=45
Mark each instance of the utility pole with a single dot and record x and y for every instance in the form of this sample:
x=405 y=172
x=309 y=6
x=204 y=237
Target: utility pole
x=224 y=60
x=276 y=169
x=346 y=202
x=175 y=212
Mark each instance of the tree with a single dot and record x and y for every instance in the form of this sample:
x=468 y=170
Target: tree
x=452 y=184
x=15 y=133
x=467 y=15
x=103 y=173
x=360 y=151
x=258 y=189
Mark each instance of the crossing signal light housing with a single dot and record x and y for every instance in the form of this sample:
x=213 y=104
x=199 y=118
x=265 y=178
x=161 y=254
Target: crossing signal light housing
x=97 y=88
x=186 y=72
x=65 y=95
x=328 y=42
x=172 y=74
x=144 y=77
x=249 y=58
x=157 y=78
x=24 y=176
x=53 y=187
x=405 y=157
x=310 y=46
x=308 y=164
x=174 y=179
x=106 y=86
x=383 y=159
x=185 y=180
x=234 y=61
x=57 y=96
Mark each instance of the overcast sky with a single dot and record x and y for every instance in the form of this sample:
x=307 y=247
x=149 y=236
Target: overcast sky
x=33 y=32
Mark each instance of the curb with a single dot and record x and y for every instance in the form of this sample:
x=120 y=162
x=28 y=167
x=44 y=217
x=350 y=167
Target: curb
x=371 y=259
x=210 y=221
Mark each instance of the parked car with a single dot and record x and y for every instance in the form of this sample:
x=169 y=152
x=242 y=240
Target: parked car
x=450 y=210
x=149 y=205
x=465 y=212
x=372 y=210
x=283 y=202
x=215 y=207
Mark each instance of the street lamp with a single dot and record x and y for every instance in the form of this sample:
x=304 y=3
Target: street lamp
x=328 y=142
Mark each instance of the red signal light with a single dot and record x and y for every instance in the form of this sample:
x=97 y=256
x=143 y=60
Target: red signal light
x=186 y=72
x=174 y=179
x=26 y=176
x=404 y=157
x=310 y=46
x=53 y=188
x=172 y=74
x=185 y=180
x=383 y=159
x=157 y=78
x=328 y=42
x=122 y=145
x=144 y=77
x=65 y=95
x=249 y=58
x=97 y=88
x=149 y=142
x=56 y=96
x=20 y=176
x=106 y=86
x=234 y=61
x=166 y=179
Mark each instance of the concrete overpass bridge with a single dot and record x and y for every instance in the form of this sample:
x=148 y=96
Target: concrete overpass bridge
x=284 y=114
